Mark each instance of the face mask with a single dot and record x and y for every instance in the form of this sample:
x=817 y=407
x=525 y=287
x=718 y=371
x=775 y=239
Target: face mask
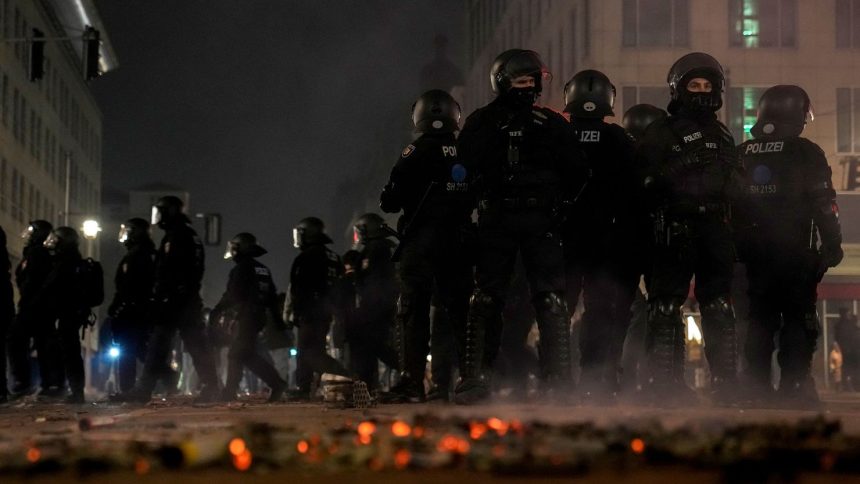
x=522 y=97
x=702 y=101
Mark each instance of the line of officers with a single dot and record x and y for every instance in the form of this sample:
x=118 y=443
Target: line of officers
x=584 y=208
x=589 y=209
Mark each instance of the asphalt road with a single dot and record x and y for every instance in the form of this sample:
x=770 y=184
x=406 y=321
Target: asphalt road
x=33 y=422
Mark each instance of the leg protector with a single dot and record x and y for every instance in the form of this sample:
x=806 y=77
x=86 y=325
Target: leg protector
x=718 y=325
x=664 y=344
x=554 y=326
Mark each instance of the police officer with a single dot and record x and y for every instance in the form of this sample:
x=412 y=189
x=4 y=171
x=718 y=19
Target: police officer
x=638 y=117
x=313 y=279
x=251 y=294
x=7 y=311
x=63 y=299
x=788 y=237
x=430 y=185
x=179 y=265
x=526 y=165
x=129 y=311
x=32 y=320
x=600 y=239
x=369 y=335
x=636 y=121
x=692 y=175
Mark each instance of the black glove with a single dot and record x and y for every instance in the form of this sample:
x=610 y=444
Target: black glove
x=830 y=257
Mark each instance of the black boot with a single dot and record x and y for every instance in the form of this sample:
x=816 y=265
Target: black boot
x=797 y=342
x=758 y=351
x=666 y=354
x=407 y=390
x=554 y=326
x=718 y=325
x=474 y=386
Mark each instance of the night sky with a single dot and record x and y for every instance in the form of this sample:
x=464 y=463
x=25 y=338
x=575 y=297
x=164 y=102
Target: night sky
x=262 y=109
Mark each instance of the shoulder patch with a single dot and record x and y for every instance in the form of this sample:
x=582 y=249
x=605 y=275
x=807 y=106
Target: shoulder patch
x=407 y=151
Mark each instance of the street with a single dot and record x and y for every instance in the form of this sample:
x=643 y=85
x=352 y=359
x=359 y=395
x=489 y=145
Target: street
x=503 y=443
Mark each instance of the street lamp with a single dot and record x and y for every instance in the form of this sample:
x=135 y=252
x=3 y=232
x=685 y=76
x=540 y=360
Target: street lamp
x=91 y=229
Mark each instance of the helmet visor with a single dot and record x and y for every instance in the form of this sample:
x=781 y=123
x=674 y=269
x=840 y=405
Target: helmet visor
x=124 y=233
x=27 y=232
x=230 y=252
x=155 y=218
x=297 y=238
x=51 y=242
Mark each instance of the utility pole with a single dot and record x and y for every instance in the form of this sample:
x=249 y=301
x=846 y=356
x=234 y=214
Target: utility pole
x=68 y=197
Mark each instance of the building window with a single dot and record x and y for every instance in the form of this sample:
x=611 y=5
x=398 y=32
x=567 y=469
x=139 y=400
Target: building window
x=848 y=120
x=742 y=109
x=4 y=180
x=4 y=103
x=655 y=23
x=847 y=23
x=633 y=95
x=762 y=23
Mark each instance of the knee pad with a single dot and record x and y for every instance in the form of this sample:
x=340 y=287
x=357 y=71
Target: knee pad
x=482 y=301
x=719 y=306
x=550 y=302
x=664 y=308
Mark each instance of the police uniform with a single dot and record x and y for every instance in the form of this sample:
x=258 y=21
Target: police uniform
x=7 y=310
x=789 y=207
x=431 y=186
x=179 y=266
x=375 y=301
x=251 y=294
x=62 y=299
x=33 y=321
x=130 y=310
x=601 y=244
x=526 y=166
x=313 y=276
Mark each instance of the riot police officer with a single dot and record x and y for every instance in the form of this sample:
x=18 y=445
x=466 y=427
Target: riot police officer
x=430 y=185
x=313 y=278
x=179 y=265
x=789 y=235
x=252 y=297
x=129 y=311
x=638 y=117
x=692 y=176
x=369 y=334
x=636 y=121
x=600 y=238
x=32 y=320
x=7 y=311
x=526 y=166
x=63 y=298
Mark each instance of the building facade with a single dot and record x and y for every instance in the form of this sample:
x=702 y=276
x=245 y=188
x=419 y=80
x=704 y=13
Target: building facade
x=759 y=42
x=50 y=129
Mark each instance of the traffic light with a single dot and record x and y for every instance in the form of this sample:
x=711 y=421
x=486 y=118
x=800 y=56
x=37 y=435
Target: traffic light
x=36 y=67
x=91 y=53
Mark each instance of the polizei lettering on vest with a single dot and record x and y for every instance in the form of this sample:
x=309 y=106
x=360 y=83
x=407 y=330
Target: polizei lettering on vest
x=768 y=147
x=693 y=137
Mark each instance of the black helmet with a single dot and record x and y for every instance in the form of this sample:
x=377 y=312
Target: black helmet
x=436 y=111
x=36 y=232
x=514 y=63
x=637 y=119
x=368 y=227
x=783 y=111
x=589 y=94
x=310 y=231
x=133 y=231
x=166 y=210
x=63 y=239
x=245 y=245
x=691 y=66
